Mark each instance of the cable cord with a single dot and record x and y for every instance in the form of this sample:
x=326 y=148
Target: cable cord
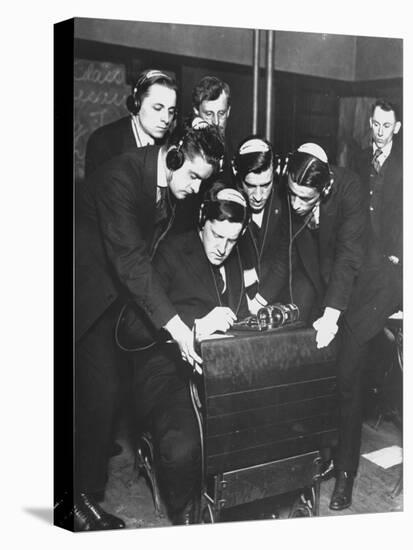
x=290 y=245
x=125 y=306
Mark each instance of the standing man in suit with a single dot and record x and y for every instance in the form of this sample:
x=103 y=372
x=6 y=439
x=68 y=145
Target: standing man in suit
x=125 y=209
x=255 y=169
x=378 y=290
x=152 y=108
x=327 y=236
x=211 y=101
x=201 y=273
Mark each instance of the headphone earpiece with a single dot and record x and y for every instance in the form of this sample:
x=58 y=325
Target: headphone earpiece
x=202 y=215
x=286 y=162
x=133 y=101
x=175 y=157
x=276 y=163
x=327 y=188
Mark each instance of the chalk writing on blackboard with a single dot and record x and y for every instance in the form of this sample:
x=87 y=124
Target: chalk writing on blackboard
x=100 y=92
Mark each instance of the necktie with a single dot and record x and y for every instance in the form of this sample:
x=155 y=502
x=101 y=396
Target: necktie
x=162 y=206
x=218 y=279
x=255 y=230
x=375 y=161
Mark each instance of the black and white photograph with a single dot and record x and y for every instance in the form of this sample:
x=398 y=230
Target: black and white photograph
x=226 y=278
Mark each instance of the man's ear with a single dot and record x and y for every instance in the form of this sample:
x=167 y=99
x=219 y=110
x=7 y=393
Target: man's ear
x=196 y=111
x=228 y=111
x=397 y=127
x=371 y=122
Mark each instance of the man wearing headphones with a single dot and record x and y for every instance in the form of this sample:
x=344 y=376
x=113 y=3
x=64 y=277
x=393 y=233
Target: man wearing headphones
x=152 y=108
x=201 y=273
x=255 y=170
x=211 y=101
x=327 y=249
x=326 y=226
x=125 y=209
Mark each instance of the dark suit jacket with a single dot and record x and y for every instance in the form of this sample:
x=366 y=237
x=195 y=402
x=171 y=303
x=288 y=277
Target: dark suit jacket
x=107 y=142
x=391 y=214
x=115 y=228
x=329 y=278
x=187 y=277
x=378 y=292
x=261 y=254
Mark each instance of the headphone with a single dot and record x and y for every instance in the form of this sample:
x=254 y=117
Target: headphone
x=175 y=157
x=256 y=145
x=225 y=194
x=317 y=153
x=133 y=102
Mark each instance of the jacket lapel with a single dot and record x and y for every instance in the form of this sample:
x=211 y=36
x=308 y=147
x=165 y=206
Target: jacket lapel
x=150 y=169
x=305 y=247
x=199 y=265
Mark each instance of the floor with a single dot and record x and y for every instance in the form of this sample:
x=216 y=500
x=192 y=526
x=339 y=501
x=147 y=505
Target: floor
x=128 y=495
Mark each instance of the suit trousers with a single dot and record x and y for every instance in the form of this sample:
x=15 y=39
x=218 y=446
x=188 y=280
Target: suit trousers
x=164 y=408
x=97 y=384
x=350 y=365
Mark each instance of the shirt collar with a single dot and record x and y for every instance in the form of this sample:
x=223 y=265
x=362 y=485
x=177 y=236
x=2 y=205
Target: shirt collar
x=316 y=216
x=257 y=217
x=385 y=151
x=161 y=180
x=142 y=138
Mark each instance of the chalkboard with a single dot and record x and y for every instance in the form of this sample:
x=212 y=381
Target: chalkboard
x=100 y=92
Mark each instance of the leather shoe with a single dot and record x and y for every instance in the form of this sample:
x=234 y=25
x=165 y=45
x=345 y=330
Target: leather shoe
x=89 y=516
x=343 y=489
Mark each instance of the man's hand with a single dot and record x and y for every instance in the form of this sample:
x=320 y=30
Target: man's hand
x=184 y=337
x=218 y=319
x=326 y=327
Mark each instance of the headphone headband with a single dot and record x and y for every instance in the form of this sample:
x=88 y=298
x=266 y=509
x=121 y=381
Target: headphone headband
x=146 y=76
x=314 y=150
x=254 y=145
x=317 y=153
x=231 y=195
x=198 y=123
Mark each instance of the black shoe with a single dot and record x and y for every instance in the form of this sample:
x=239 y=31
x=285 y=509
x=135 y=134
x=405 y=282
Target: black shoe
x=343 y=489
x=327 y=470
x=89 y=516
x=189 y=515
